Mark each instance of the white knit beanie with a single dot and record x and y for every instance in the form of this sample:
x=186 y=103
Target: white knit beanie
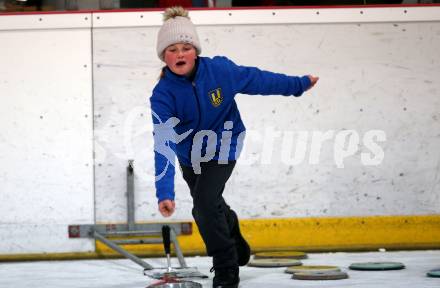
x=177 y=28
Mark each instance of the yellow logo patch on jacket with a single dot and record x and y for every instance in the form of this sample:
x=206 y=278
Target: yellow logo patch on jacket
x=216 y=97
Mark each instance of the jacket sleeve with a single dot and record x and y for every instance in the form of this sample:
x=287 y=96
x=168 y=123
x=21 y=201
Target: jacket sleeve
x=251 y=80
x=164 y=147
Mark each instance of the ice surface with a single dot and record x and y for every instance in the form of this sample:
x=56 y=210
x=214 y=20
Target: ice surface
x=123 y=273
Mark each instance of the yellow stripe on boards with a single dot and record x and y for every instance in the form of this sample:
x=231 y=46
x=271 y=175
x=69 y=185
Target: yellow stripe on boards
x=344 y=233
x=301 y=234
x=323 y=234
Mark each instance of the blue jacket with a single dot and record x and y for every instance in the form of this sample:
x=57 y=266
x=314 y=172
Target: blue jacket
x=206 y=102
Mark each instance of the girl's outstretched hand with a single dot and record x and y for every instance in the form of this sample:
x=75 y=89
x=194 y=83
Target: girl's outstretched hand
x=166 y=207
x=313 y=80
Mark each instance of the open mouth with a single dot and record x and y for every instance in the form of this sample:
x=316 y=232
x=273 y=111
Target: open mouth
x=180 y=63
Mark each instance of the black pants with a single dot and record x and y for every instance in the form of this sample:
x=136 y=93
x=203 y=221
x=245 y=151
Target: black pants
x=211 y=213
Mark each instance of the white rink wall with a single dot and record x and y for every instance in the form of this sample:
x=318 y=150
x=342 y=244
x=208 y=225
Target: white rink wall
x=76 y=85
x=46 y=138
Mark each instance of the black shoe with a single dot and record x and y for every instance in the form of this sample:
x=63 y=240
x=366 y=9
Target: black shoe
x=243 y=249
x=226 y=277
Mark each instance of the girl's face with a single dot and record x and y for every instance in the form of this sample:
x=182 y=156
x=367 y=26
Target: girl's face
x=180 y=58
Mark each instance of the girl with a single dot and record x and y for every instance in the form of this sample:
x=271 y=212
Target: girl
x=196 y=118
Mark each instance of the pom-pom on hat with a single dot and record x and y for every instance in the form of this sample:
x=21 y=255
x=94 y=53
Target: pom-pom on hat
x=177 y=28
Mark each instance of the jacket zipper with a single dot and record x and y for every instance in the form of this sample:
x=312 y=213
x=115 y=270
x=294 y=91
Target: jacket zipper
x=193 y=83
x=198 y=104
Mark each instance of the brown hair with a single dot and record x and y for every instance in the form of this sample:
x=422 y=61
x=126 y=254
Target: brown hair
x=162 y=72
